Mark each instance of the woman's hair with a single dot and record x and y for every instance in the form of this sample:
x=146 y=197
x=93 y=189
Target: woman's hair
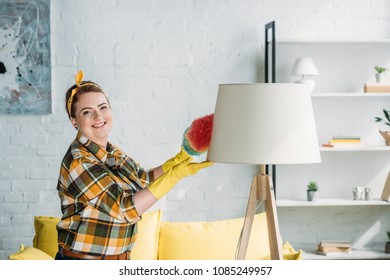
x=84 y=87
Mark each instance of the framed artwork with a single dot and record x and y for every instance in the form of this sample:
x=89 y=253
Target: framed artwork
x=25 y=66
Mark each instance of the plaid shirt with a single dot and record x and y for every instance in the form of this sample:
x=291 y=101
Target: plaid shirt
x=96 y=189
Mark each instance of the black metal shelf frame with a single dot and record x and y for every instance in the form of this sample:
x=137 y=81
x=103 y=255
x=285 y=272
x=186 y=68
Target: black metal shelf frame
x=270 y=73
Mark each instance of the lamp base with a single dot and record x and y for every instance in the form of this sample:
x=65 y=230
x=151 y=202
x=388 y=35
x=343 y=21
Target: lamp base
x=262 y=189
x=308 y=82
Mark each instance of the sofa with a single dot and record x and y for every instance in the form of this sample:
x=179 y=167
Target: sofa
x=160 y=240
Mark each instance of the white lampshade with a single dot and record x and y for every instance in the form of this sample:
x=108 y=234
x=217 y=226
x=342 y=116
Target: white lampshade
x=304 y=66
x=264 y=123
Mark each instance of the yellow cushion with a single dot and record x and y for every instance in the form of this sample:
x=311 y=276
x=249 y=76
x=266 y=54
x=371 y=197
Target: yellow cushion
x=289 y=253
x=146 y=245
x=45 y=238
x=211 y=240
x=29 y=253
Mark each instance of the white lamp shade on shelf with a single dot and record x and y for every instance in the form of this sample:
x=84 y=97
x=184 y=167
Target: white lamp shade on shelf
x=264 y=123
x=304 y=66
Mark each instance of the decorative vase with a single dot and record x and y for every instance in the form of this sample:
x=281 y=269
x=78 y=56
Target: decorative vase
x=357 y=193
x=312 y=195
x=379 y=77
x=386 y=136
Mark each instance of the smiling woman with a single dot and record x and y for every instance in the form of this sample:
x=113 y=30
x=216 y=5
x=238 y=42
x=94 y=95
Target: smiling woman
x=103 y=191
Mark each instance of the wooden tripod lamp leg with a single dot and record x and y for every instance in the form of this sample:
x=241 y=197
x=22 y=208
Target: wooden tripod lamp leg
x=275 y=243
x=248 y=221
x=262 y=189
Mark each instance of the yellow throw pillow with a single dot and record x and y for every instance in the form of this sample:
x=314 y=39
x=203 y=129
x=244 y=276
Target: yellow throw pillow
x=289 y=253
x=29 y=253
x=145 y=248
x=45 y=238
x=146 y=245
x=211 y=240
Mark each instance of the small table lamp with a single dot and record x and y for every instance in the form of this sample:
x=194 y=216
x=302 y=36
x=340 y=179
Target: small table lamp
x=270 y=123
x=305 y=67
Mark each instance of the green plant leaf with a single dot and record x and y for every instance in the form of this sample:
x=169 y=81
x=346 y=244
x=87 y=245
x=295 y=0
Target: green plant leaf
x=312 y=186
x=385 y=121
x=380 y=69
x=378 y=119
x=386 y=113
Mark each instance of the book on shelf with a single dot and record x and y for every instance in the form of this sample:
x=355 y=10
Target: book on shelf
x=335 y=244
x=376 y=87
x=333 y=249
x=345 y=144
x=345 y=141
x=346 y=138
x=332 y=253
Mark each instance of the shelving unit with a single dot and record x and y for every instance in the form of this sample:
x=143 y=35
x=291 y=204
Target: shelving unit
x=338 y=100
x=335 y=60
x=355 y=254
x=357 y=149
x=341 y=108
x=330 y=202
x=335 y=41
x=350 y=94
x=369 y=163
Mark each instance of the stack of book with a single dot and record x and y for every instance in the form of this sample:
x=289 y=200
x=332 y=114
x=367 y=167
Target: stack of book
x=377 y=88
x=345 y=141
x=333 y=248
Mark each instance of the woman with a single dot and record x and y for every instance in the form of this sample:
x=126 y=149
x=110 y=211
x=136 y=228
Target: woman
x=104 y=192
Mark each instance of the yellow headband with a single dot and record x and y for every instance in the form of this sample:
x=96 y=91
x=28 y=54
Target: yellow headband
x=78 y=79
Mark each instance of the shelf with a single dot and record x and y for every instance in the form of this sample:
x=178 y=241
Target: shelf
x=330 y=202
x=356 y=149
x=342 y=41
x=340 y=104
x=352 y=94
x=355 y=254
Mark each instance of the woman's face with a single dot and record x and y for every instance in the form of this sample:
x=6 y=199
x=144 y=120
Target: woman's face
x=93 y=117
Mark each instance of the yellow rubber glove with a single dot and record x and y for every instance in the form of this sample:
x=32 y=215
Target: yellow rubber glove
x=180 y=156
x=168 y=180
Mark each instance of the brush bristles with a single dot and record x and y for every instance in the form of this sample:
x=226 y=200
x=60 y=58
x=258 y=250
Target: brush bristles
x=196 y=138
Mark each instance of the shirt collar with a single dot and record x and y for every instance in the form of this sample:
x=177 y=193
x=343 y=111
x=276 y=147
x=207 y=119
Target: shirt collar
x=94 y=148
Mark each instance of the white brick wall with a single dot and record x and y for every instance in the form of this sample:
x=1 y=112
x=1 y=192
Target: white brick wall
x=161 y=63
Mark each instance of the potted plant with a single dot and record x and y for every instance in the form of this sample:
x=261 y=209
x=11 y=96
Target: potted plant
x=386 y=121
x=312 y=191
x=380 y=72
x=387 y=247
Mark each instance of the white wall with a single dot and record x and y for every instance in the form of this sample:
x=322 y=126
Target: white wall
x=161 y=63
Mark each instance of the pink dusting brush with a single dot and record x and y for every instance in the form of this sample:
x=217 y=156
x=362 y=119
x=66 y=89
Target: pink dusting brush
x=196 y=138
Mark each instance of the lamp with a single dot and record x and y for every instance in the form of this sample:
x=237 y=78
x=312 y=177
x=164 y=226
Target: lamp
x=264 y=123
x=305 y=67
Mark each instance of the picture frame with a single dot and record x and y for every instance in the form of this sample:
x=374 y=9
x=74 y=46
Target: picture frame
x=25 y=63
